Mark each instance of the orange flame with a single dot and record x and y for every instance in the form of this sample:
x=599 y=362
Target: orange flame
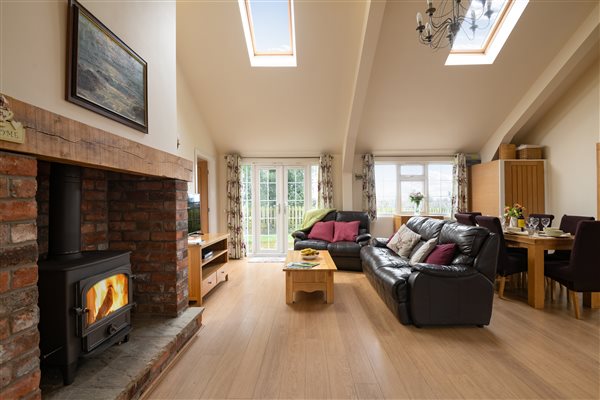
x=107 y=296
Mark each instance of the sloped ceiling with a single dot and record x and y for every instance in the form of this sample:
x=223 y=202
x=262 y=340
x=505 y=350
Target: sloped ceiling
x=271 y=111
x=414 y=104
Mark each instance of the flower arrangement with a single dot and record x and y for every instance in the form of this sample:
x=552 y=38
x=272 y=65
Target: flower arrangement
x=515 y=211
x=416 y=197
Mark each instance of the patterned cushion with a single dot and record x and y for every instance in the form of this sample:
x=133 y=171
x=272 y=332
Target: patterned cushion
x=421 y=254
x=403 y=241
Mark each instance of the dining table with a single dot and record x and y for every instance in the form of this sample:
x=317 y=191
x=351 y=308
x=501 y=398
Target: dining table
x=536 y=244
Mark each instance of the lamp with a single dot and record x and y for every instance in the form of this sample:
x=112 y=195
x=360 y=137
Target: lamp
x=447 y=21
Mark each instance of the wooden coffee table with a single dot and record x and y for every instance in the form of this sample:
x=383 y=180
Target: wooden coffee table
x=319 y=277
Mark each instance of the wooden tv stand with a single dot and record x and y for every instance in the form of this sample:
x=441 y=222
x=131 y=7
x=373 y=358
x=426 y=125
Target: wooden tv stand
x=205 y=274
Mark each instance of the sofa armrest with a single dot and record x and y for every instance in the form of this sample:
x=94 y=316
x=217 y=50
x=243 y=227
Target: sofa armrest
x=378 y=242
x=300 y=235
x=363 y=239
x=447 y=271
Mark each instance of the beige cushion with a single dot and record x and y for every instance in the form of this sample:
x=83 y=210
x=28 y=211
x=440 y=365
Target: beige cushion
x=421 y=254
x=403 y=241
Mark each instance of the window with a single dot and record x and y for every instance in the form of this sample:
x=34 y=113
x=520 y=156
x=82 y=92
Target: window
x=395 y=181
x=484 y=45
x=269 y=32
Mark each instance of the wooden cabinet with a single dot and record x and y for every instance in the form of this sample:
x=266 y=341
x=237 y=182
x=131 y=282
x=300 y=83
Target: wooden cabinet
x=504 y=182
x=207 y=263
x=400 y=220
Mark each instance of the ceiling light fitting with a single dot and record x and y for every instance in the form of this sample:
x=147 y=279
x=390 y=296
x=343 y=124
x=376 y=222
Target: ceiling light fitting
x=444 y=25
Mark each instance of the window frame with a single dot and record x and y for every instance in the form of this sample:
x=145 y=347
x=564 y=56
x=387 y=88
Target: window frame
x=497 y=37
x=412 y=178
x=267 y=59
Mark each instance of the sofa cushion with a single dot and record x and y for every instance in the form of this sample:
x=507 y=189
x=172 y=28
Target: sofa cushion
x=423 y=251
x=322 y=231
x=344 y=249
x=377 y=257
x=361 y=216
x=442 y=254
x=394 y=281
x=345 y=231
x=468 y=238
x=403 y=241
x=311 y=244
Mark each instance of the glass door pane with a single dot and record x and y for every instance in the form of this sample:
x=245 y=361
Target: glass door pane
x=295 y=205
x=247 y=206
x=268 y=210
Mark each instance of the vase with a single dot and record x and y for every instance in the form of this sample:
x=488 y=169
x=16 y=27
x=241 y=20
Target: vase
x=417 y=209
x=513 y=222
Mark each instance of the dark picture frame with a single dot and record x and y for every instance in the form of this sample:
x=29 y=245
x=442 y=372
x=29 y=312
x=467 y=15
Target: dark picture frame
x=105 y=75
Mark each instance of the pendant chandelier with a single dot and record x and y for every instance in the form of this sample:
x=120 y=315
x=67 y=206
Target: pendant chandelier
x=448 y=21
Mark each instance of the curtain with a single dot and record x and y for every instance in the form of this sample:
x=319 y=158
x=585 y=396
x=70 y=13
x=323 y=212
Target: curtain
x=460 y=185
x=368 y=186
x=325 y=182
x=237 y=247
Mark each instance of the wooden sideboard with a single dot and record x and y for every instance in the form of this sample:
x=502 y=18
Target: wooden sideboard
x=205 y=273
x=400 y=220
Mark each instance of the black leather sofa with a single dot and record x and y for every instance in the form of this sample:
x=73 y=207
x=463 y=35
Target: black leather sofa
x=346 y=255
x=425 y=294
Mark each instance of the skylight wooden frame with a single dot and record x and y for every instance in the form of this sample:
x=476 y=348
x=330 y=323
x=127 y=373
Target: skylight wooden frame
x=492 y=34
x=251 y=27
x=496 y=41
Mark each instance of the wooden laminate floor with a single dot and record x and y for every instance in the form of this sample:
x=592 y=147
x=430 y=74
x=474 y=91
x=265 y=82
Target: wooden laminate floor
x=253 y=345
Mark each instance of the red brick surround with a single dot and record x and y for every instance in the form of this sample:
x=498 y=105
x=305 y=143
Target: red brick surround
x=19 y=313
x=146 y=215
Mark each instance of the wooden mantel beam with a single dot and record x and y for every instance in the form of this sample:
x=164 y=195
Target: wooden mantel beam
x=53 y=137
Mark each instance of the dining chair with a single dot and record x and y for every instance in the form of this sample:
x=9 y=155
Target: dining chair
x=568 y=223
x=509 y=262
x=466 y=218
x=539 y=217
x=581 y=273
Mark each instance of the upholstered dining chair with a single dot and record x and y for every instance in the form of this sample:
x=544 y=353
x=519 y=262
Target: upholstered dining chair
x=568 y=223
x=539 y=217
x=466 y=218
x=581 y=273
x=509 y=262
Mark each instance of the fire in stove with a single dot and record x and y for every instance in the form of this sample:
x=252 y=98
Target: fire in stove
x=107 y=296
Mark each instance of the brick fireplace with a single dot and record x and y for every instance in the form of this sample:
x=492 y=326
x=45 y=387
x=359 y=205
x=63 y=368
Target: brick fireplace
x=137 y=207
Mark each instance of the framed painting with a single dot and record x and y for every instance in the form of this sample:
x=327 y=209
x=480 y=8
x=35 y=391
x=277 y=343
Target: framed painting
x=104 y=74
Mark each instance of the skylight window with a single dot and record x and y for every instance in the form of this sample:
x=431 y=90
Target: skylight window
x=269 y=31
x=482 y=45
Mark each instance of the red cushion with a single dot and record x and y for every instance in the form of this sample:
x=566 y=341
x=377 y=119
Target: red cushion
x=322 y=231
x=442 y=254
x=345 y=231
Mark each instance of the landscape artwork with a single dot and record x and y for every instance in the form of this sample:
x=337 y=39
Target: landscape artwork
x=106 y=75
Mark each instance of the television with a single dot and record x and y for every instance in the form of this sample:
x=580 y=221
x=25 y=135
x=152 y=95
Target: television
x=193 y=213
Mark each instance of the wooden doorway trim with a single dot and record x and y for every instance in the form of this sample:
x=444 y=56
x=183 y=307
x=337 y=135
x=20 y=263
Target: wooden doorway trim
x=202 y=188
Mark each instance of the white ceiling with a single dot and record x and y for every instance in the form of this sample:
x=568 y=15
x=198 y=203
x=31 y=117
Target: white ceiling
x=271 y=111
x=413 y=105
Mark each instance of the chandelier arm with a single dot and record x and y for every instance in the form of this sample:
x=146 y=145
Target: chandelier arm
x=441 y=24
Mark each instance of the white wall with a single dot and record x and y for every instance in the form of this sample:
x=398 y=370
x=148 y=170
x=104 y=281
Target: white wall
x=33 y=60
x=195 y=142
x=569 y=132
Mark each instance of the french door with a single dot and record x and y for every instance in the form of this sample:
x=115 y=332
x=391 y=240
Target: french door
x=274 y=201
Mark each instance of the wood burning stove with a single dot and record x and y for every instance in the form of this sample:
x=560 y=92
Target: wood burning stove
x=85 y=298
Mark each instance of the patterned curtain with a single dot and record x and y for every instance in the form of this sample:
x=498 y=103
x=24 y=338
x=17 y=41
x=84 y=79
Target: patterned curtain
x=237 y=247
x=368 y=186
x=460 y=185
x=325 y=182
